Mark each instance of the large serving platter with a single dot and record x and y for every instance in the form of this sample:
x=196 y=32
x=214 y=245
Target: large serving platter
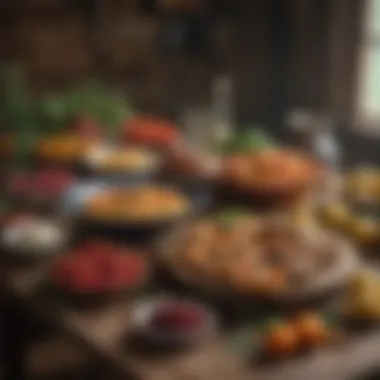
x=263 y=194
x=335 y=276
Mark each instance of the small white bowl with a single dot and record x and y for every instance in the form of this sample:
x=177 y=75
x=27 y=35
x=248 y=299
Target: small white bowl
x=144 y=311
x=13 y=234
x=97 y=154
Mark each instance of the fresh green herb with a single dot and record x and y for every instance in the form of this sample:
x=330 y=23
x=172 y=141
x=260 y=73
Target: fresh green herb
x=228 y=218
x=29 y=118
x=248 y=141
x=52 y=113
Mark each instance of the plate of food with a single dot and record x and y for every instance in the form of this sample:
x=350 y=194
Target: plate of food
x=275 y=175
x=140 y=207
x=121 y=162
x=40 y=186
x=356 y=210
x=167 y=322
x=64 y=148
x=267 y=257
x=27 y=237
x=96 y=270
x=360 y=303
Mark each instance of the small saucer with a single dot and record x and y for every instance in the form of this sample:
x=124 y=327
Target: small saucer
x=144 y=312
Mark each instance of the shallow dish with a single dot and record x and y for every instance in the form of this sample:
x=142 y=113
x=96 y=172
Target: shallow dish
x=99 y=270
x=42 y=188
x=121 y=163
x=333 y=276
x=17 y=251
x=143 y=313
x=275 y=176
x=76 y=199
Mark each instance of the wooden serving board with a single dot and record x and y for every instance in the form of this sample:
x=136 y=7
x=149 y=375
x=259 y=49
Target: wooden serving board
x=336 y=276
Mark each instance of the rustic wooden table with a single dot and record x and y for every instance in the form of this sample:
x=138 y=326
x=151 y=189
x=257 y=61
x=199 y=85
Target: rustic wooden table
x=105 y=332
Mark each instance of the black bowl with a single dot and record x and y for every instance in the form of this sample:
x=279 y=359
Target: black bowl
x=133 y=231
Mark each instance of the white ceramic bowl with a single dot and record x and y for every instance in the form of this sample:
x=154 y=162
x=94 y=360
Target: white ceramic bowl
x=22 y=239
x=144 y=311
x=96 y=155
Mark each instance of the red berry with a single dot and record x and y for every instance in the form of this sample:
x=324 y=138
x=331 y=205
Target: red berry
x=87 y=280
x=109 y=274
x=133 y=269
x=177 y=316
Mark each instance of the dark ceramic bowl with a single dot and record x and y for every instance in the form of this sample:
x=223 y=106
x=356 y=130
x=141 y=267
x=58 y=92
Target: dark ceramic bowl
x=131 y=231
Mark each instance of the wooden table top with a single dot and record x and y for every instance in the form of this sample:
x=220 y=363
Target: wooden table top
x=105 y=331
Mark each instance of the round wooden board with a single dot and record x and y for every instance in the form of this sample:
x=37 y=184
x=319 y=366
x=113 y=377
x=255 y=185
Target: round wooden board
x=346 y=264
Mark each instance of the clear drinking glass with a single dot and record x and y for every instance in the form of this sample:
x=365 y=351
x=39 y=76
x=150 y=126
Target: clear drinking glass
x=198 y=124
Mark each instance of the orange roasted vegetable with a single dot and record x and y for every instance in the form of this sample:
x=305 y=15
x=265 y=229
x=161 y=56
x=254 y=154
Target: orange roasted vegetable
x=281 y=340
x=151 y=131
x=311 y=328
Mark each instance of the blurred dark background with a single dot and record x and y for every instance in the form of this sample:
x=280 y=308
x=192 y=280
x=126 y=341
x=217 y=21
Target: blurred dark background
x=165 y=54
x=281 y=53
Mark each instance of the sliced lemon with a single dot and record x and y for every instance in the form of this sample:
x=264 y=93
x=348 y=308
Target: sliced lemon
x=366 y=229
x=337 y=213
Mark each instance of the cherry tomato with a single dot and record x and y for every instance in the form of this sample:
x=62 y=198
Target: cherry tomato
x=280 y=340
x=151 y=131
x=312 y=328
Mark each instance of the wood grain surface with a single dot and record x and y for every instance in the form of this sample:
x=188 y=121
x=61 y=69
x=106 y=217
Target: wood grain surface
x=106 y=331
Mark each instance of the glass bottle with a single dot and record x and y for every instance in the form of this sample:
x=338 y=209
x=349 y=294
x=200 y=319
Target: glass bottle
x=222 y=108
x=313 y=132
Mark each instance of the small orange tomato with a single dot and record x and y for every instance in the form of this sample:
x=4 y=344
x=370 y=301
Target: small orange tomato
x=281 y=340
x=311 y=328
x=151 y=131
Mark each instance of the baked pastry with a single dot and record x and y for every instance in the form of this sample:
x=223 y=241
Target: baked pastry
x=249 y=254
x=143 y=203
x=269 y=170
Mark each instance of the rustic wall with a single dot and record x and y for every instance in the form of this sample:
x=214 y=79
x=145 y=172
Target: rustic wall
x=282 y=54
x=52 y=39
x=326 y=35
